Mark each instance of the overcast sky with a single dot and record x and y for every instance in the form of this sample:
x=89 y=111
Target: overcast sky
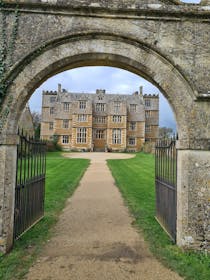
x=113 y=80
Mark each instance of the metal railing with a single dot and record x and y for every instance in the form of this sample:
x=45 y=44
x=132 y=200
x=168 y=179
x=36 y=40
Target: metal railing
x=165 y=181
x=30 y=183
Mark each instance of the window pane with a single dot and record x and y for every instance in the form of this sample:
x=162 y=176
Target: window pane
x=82 y=104
x=66 y=106
x=50 y=125
x=116 y=136
x=100 y=107
x=81 y=135
x=117 y=105
x=132 y=141
x=51 y=110
x=99 y=134
x=65 y=139
x=147 y=128
x=65 y=123
x=133 y=108
x=100 y=120
x=132 y=125
x=147 y=103
x=147 y=114
x=82 y=118
x=117 y=119
x=52 y=99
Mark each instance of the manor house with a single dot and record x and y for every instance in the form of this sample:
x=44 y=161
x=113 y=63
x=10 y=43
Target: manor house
x=100 y=121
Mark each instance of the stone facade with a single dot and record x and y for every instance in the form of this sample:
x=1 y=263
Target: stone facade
x=166 y=42
x=101 y=121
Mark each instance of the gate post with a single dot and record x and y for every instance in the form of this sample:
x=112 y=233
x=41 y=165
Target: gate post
x=8 y=154
x=193 y=194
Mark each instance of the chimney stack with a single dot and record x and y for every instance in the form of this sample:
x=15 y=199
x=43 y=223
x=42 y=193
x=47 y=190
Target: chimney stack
x=141 y=90
x=59 y=88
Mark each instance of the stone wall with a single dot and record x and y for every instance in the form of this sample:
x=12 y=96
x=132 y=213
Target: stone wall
x=168 y=44
x=170 y=37
x=193 y=193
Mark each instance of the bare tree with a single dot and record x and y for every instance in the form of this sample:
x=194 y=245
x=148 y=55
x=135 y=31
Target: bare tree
x=36 y=117
x=165 y=132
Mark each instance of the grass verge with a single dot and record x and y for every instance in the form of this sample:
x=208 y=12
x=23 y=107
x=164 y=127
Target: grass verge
x=135 y=179
x=62 y=178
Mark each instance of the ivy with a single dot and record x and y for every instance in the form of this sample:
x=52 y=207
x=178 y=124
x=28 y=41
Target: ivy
x=7 y=46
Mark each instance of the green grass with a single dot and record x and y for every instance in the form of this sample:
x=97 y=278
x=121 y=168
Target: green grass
x=135 y=179
x=63 y=176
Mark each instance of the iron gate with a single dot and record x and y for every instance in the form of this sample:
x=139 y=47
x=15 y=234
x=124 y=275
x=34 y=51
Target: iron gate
x=30 y=184
x=165 y=181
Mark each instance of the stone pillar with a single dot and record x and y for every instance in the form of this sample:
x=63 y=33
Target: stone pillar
x=193 y=199
x=8 y=154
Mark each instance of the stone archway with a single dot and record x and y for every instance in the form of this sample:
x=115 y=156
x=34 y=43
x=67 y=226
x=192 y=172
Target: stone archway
x=84 y=50
x=99 y=48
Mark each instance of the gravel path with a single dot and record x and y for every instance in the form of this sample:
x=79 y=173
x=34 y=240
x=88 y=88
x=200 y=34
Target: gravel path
x=94 y=238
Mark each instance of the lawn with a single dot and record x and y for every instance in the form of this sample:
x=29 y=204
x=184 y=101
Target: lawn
x=63 y=176
x=135 y=179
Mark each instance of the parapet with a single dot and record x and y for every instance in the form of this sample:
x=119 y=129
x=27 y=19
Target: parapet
x=151 y=95
x=102 y=91
x=49 y=92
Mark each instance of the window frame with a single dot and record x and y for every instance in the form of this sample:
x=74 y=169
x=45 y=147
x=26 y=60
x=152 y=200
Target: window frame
x=99 y=134
x=117 y=106
x=132 y=126
x=81 y=135
x=66 y=106
x=133 y=108
x=116 y=119
x=65 y=139
x=116 y=136
x=148 y=128
x=147 y=103
x=147 y=114
x=82 y=104
x=52 y=111
x=51 y=125
x=66 y=124
x=82 y=118
x=100 y=119
x=52 y=99
x=100 y=107
x=130 y=142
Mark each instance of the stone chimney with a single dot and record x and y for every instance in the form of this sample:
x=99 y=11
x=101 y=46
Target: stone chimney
x=141 y=90
x=59 y=88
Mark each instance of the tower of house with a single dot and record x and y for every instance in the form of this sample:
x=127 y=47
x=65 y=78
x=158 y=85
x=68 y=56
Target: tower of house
x=151 y=102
